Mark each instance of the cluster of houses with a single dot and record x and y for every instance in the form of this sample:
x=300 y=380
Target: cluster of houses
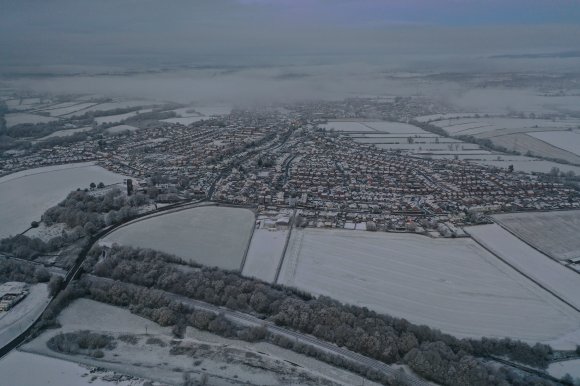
x=275 y=160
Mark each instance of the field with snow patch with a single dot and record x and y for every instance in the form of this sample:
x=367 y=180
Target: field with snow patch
x=264 y=254
x=24 y=196
x=550 y=274
x=121 y=129
x=114 y=118
x=502 y=126
x=374 y=126
x=22 y=315
x=20 y=118
x=16 y=370
x=212 y=236
x=70 y=109
x=540 y=137
x=554 y=233
x=210 y=111
x=226 y=361
x=559 y=369
x=65 y=133
x=185 y=120
x=566 y=140
x=453 y=285
x=520 y=163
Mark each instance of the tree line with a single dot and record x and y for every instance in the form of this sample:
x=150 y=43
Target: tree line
x=432 y=354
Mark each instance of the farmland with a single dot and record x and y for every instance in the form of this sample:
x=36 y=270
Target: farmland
x=567 y=140
x=528 y=144
x=65 y=133
x=374 y=126
x=121 y=129
x=264 y=254
x=15 y=370
x=554 y=233
x=553 y=276
x=212 y=236
x=405 y=138
x=23 y=314
x=453 y=285
x=114 y=118
x=539 y=137
x=184 y=120
x=501 y=126
x=24 y=196
x=21 y=118
x=520 y=163
x=227 y=361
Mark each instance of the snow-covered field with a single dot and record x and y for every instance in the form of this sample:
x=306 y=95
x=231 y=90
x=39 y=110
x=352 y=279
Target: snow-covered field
x=524 y=143
x=375 y=126
x=19 y=118
x=210 y=111
x=440 y=117
x=14 y=321
x=520 y=163
x=185 y=120
x=121 y=129
x=559 y=369
x=85 y=314
x=264 y=254
x=70 y=109
x=114 y=118
x=27 y=369
x=65 y=133
x=550 y=274
x=554 y=233
x=477 y=126
x=567 y=140
x=24 y=196
x=540 y=137
x=219 y=356
x=454 y=285
x=213 y=236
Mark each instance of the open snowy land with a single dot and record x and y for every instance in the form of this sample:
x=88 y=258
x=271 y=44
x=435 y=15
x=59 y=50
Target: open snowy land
x=264 y=254
x=502 y=126
x=185 y=120
x=554 y=233
x=20 y=118
x=527 y=144
x=520 y=163
x=14 y=321
x=539 y=137
x=212 y=236
x=375 y=126
x=453 y=285
x=566 y=140
x=77 y=107
x=25 y=196
x=211 y=111
x=121 y=129
x=532 y=263
x=114 y=118
x=16 y=370
x=225 y=361
x=65 y=133
x=559 y=369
